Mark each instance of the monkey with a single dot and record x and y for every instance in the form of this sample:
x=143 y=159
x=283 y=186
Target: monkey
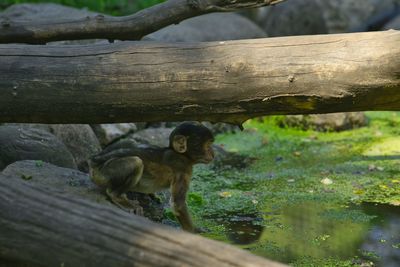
x=127 y=166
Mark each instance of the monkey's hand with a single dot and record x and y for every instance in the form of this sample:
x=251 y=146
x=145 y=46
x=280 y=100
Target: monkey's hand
x=122 y=201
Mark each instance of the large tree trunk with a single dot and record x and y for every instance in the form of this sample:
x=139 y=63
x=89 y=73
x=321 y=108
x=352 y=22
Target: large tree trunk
x=40 y=227
x=218 y=81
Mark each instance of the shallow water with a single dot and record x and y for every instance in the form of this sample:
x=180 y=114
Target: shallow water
x=365 y=232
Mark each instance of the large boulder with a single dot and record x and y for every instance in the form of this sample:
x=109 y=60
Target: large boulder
x=18 y=143
x=153 y=136
x=78 y=138
x=352 y=15
x=294 y=17
x=75 y=183
x=210 y=27
x=63 y=180
x=303 y=17
x=109 y=132
x=44 y=11
x=80 y=141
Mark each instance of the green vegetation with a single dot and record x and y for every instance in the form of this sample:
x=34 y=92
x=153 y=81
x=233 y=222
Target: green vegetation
x=113 y=7
x=311 y=193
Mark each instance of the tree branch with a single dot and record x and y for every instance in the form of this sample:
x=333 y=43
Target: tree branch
x=132 y=27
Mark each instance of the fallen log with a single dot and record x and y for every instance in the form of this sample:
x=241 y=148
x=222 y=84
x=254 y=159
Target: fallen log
x=42 y=227
x=227 y=81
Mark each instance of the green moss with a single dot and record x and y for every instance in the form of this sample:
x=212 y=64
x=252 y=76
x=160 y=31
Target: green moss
x=306 y=187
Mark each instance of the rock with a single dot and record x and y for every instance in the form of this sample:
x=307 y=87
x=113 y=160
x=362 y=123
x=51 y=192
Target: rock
x=80 y=141
x=75 y=183
x=153 y=136
x=326 y=122
x=352 y=15
x=63 y=180
x=78 y=138
x=107 y=133
x=38 y=12
x=18 y=143
x=210 y=27
x=393 y=24
x=302 y=17
x=294 y=17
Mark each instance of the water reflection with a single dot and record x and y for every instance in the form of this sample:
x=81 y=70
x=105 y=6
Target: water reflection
x=244 y=230
x=383 y=240
x=322 y=230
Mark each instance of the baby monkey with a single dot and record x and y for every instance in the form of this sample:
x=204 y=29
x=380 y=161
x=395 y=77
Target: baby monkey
x=126 y=166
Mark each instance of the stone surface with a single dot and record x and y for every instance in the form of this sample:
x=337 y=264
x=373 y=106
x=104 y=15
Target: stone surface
x=210 y=27
x=78 y=138
x=107 y=133
x=301 y=17
x=76 y=183
x=63 y=180
x=18 y=143
x=80 y=141
x=294 y=17
x=352 y=15
x=43 y=11
x=153 y=136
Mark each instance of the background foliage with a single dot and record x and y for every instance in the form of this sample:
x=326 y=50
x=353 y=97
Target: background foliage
x=114 y=7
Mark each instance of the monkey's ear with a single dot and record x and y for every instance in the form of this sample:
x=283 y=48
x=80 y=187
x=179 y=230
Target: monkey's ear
x=179 y=143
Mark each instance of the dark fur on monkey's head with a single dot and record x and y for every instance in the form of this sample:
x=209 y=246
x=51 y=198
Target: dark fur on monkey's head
x=194 y=140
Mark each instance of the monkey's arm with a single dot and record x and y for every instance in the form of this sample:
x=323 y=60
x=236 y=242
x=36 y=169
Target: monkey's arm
x=179 y=188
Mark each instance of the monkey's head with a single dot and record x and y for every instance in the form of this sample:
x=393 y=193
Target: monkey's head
x=193 y=140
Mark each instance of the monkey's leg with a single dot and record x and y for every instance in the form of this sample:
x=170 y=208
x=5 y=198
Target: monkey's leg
x=126 y=174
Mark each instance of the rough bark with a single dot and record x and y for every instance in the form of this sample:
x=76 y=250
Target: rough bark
x=40 y=227
x=132 y=27
x=227 y=81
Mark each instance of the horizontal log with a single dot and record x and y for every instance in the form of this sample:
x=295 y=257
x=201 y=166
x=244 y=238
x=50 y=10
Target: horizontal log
x=227 y=81
x=132 y=27
x=41 y=227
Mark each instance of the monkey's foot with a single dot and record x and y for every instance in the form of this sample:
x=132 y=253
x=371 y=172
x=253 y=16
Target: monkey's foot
x=122 y=201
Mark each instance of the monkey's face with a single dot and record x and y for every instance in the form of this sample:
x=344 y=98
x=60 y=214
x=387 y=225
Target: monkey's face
x=200 y=151
x=194 y=141
x=206 y=155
